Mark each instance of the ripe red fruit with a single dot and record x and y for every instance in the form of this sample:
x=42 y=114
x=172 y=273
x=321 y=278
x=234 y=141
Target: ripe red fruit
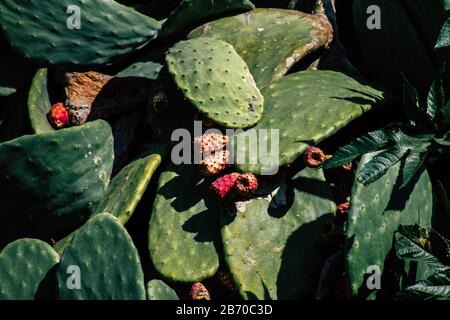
x=246 y=184
x=215 y=163
x=343 y=207
x=199 y=292
x=58 y=116
x=223 y=185
x=211 y=143
x=348 y=166
x=315 y=157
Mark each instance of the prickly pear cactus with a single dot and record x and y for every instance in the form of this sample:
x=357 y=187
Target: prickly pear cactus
x=270 y=41
x=128 y=186
x=80 y=33
x=142 y=69
x=191 y=11
x=31 y=260
x=39 y=103
x=45 y=194
x=184 y=226
x=215 y=79
x=273 y=244
x=101 y=263
x=375 y=214
x=305 y=108
x=158 y=290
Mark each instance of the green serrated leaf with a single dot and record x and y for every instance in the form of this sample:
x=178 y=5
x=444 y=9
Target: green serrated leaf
x=444 y=37
x=436 y=96
x=380 y=164
x=370 y=142
x=413 y=162
x=408 y=250
x=435 y=287
x=416 y=115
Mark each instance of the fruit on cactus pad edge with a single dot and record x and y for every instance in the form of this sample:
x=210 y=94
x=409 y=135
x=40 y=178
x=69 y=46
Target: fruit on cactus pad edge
x=246 y=184
x=315 y=157
x=223 y=185
x=58 y=116
x=199 y=292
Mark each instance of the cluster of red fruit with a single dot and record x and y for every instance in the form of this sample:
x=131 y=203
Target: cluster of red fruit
x=213 y=147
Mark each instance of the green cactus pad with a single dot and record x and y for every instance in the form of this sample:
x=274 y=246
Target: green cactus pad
x=270 y=41
x=375 y=214
x=192 y=11
x=273 y=247
x=306 y=107
x=408 y=29
x=39 y=103
x=158 y=290
x=143 y=69
x=215 y=79
x=23 y=265
x=108 y=31
x=107 y=260
x=55 y=179
x=184 y=226
x=128 y=186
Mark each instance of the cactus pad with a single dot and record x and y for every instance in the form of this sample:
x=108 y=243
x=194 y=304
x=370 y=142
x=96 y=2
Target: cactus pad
x=191 y=11
x=306 y=107
x=158 y=290
x=108 y=31
x=45 y=194
x=184 y=226
x=39 y=103
x=24 y=263
x=107 y=260
x=215 y=79
x=273 y=246
x=128 y=186
x=143 y=69
x=375 y=214
x=270 y=41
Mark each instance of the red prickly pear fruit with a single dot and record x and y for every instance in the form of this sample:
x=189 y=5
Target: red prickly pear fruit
x=214 y=164
x=314 y=157
x=223 y=185
x=343 y=207
x=58 y=116
x=199 y=292
x=246 y=184
x=211 y=143
x=347 y=166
